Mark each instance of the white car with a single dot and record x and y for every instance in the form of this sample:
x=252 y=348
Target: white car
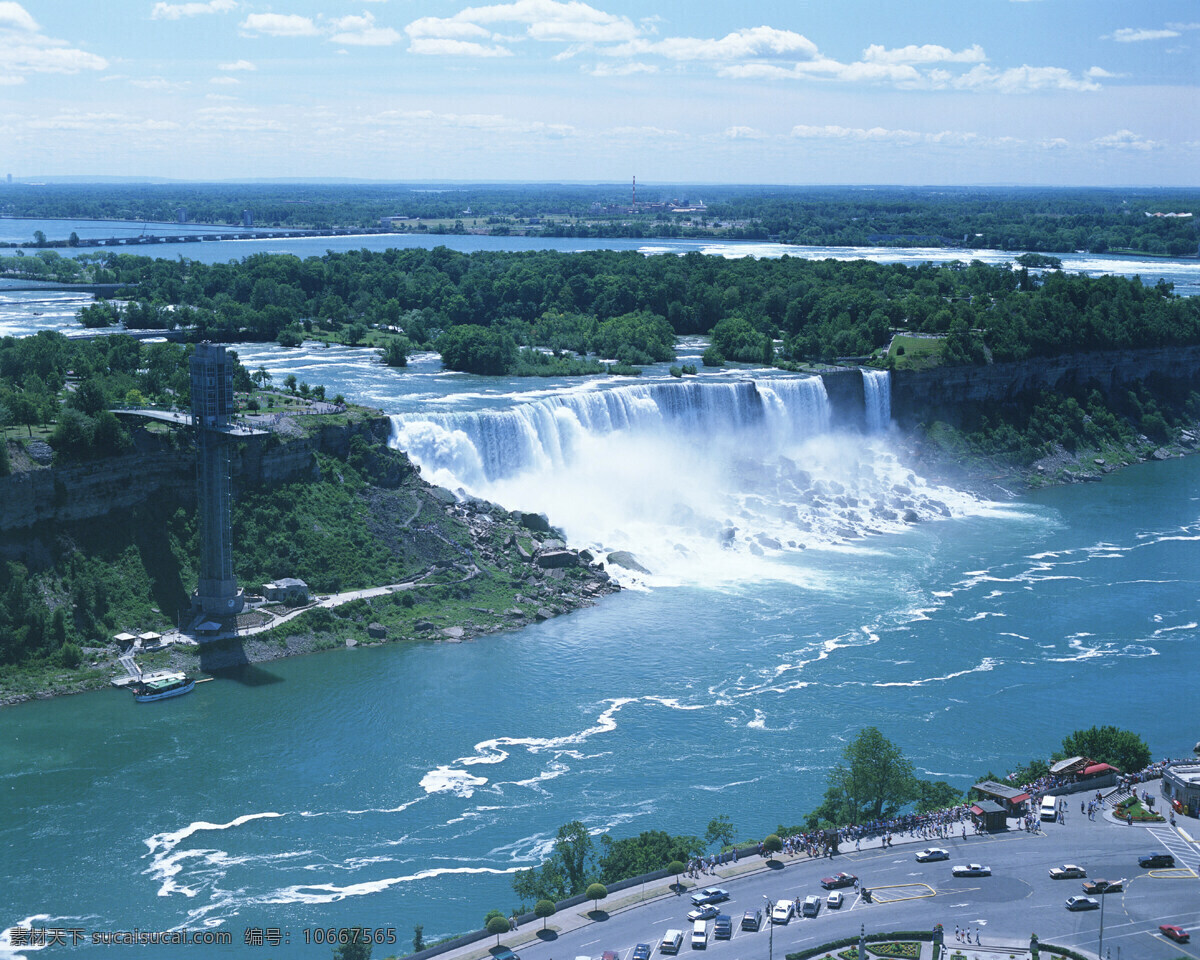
x=932 y=853
x=782 y=911
x=971 y=870
x=1068 y=871
x=834 y=900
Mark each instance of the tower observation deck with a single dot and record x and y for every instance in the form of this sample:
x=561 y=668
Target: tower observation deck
x=217 y=594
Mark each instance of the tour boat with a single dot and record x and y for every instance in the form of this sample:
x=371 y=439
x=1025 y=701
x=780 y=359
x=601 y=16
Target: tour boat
x=160 y=686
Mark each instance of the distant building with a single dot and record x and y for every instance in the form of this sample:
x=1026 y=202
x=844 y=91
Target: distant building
x=10 y=179
x=247 y=219
x=181 y=215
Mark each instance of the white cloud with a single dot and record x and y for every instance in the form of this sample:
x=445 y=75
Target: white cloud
x=1136 y=35
x=1099 y=73
x=447 y=28
x=13 y=16
x=473 y=121
x=544 y=20
x=926 y=53
x=1125 y=140
x=1024 y=79
x=620 y=69
x=176 y=11
x=744 y=133
x=362 y=32
x=224 y=81
x=237 y=65
x=755 y=43
x=155 y=83
x=279 y=25
x=99 y=122
x=835 y=132
x=431 y=46
x=38 y=56
x=25 y=49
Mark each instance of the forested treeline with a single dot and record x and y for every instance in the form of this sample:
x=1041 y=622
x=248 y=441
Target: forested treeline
x=624 y=305
x=1039 y=219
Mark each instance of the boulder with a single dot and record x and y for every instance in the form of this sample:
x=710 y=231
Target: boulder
x=376 y=631
x=537 y=522
x=442 y=495
x=623 y=558
x=523 y=553
x=453 y=633
x=586 y=556
x=543 y=613
x=553 y=544
x=555 y=559
x=423 y=625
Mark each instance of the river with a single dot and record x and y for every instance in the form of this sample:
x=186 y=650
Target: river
x=403 y=784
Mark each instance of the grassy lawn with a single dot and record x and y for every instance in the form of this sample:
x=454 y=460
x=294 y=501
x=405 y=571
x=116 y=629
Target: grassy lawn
x=915 y=353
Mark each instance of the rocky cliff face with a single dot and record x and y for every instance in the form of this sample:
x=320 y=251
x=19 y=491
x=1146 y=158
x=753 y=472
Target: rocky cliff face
x=73 y=492
x=933 y=394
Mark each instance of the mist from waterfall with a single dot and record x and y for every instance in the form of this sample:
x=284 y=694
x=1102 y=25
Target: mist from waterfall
x=705 y=482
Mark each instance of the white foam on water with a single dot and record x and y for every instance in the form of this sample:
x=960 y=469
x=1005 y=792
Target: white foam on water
x=985 y=666
x=446 y=779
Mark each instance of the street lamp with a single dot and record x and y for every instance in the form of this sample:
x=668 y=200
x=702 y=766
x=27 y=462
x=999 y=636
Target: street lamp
x=771 y=931
x=1100 y=952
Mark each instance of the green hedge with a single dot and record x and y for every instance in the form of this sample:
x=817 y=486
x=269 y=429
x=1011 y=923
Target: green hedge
x=878 y=938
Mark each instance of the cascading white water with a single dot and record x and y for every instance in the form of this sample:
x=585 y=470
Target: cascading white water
x=877 y=396
x=704 y=481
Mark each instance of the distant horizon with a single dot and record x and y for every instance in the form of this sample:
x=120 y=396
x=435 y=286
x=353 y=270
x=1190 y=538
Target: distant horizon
x=858 y=93
x=130 y=180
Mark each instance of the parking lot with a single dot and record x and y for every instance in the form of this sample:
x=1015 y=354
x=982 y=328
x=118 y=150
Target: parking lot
x=1016 y=899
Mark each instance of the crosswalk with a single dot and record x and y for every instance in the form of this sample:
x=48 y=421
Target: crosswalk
x=1185 y=854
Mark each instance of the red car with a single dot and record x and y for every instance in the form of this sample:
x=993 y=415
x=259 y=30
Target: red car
x=1178 y=934
x=839 y=880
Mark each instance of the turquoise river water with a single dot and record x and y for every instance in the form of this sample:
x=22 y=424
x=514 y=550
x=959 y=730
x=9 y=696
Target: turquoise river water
x=804 y=584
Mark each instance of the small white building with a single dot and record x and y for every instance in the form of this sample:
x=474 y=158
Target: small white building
x=285 y=590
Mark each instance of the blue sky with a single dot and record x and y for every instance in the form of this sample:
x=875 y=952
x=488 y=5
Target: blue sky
x=1067 y=92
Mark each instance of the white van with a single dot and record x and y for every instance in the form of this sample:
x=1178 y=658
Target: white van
x=1049 y=808
x=699 y=934
x=671 y=942
x=812 y=906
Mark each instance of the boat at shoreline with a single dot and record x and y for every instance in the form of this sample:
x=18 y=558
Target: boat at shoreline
x=162 y=686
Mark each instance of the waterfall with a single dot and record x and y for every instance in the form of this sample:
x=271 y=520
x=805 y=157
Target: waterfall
x=706 y=481
x=877 y=394
x=484 y=446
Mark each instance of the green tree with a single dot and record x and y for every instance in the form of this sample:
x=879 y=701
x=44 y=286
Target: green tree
x=645 y=853
x=720 y=831
x=712 y=357
x=544 y=910
x=676 y=867
x=596 y=892
x=576 y=853
x=499 y=926
x=771 y=843
x=1108 y=744
x=290 y=382
x=354 y=943
x=395 y=352
x=418 y=940
x=936 y=795
x=874 y=780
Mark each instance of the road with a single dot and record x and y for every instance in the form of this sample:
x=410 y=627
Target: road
x=1017 y=899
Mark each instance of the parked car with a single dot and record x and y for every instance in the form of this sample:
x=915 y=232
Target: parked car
x=1103 y=886
x=671 y=942
x=610 y=955
x=641 y=952
x=710 y=895
x=839 y=880
x=834 y=901
x=1068 y=871
x=700 y=935
x=703 y=913
x=811 y=906
x=971 y=870
x=752 y=920
x=1082 y=903
x=1178 y=934
x=782 y=911
x=723 y=927
x=504 y=954
x=1156 y=860
x=932 y=853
